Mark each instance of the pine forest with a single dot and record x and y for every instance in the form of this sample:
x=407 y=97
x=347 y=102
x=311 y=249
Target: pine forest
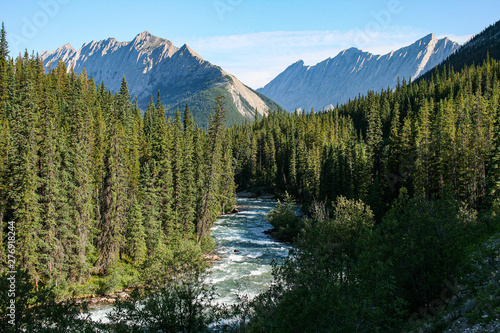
x=93 y=186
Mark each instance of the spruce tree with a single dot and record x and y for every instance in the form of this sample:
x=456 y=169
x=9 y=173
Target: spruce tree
x=79 y=159
x=52 y=252
x=227 y=186
x=4 y=177
x=407 y=157
x=136 y=147
x=188 y=195
x=494 y=165
x=374 y=135
x=392 y=167
x=136 y=236
x=423 y=151
x=99 y=148
x=4 y=59
x=161 y=154
x=24 y=180
x=4 y=46
x=178 y=160
x=208 y=208
x=151 y=208
x=112 y=226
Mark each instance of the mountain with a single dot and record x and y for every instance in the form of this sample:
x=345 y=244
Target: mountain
x=475 y=51
x=352 y=71
x=151 y=64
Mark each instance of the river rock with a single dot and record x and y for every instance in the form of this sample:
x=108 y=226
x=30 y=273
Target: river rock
x=468 y=306
x=123 y=295
x=211 y=256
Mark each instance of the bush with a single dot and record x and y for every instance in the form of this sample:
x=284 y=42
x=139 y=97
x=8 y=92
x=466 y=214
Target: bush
x=170 y=261
x=181 y=305
x=331 y=282
x=287 y=224
x=426 y=243
x=38 y=311
x=119 y=276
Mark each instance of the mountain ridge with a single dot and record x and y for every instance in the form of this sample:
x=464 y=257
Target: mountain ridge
x=151 y=64
x=481 y=46
x=353 y=71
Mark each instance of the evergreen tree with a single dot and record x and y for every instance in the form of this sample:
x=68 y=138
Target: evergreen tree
x=151 y=208
x=136 y=151
x=4 y=53
x=423 y=151
x=177 y=169
x=494 y=165
x=4 y=46
x=55 y=225
x=374 y=135
x=207 y=210
x=80 y=192
x=227 y=186
x=392 y=167
x=136 y=236
x=188 y=195
x=111 y=238
x=24 y=180
x=161 y=154
x=4 y=158
x=99 y=149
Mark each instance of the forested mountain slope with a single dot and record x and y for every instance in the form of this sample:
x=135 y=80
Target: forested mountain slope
x=94 y=190
x=475 y=51
x=151 y=64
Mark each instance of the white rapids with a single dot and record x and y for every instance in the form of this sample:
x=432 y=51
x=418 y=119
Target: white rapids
x=246 y=254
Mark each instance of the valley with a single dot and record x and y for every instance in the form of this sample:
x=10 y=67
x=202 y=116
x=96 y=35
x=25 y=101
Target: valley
x=120 y=164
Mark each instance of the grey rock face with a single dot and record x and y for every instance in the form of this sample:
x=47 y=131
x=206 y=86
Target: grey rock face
x=353 y=72
x=151 y=64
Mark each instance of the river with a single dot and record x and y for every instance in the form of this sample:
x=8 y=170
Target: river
x=246 y=253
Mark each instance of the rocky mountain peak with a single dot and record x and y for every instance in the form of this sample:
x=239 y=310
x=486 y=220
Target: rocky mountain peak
x=186 y=50
x=144 y=35
x=353 y=71
x=151 y=64
x=66 y=47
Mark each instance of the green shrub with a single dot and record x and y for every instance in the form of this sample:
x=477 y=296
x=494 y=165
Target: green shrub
x=181 y=305
x=119 y=276
x=37 y=310
x=425 y=241
x=334 y=281
x=287 y=224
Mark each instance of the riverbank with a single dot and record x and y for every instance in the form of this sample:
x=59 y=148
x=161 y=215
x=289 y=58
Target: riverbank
x=95 y=292
x=96 y=300
x=241 y=264
x=257 y=194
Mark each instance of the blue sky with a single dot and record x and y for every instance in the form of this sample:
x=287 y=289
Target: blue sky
x=253 y=39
